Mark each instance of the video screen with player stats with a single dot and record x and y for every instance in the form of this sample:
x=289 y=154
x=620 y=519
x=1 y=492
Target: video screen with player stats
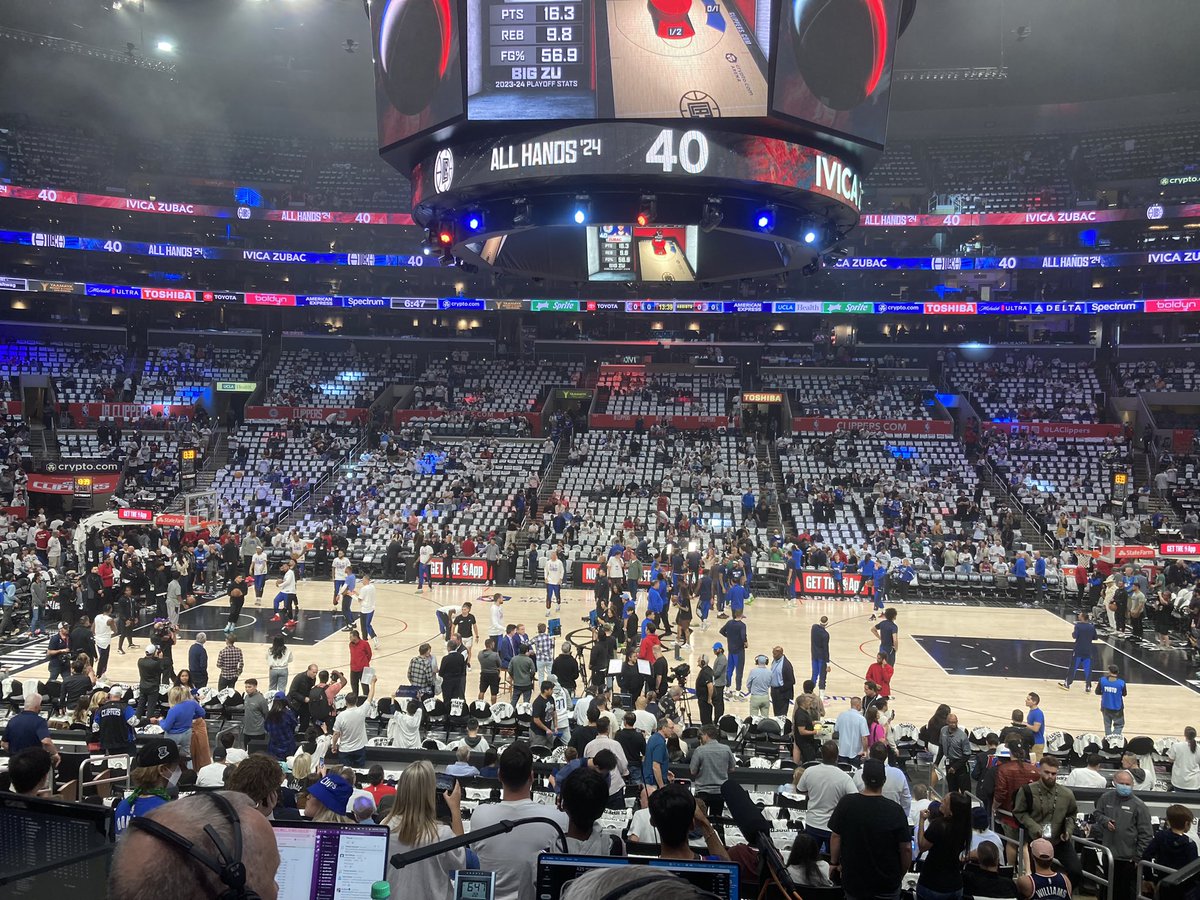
x=650 y=253
x=617 y=59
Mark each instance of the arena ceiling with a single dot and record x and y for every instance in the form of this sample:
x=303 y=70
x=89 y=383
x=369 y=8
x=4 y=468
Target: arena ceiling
x=264 y=65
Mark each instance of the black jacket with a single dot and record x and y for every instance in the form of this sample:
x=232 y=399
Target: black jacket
x=150 y=670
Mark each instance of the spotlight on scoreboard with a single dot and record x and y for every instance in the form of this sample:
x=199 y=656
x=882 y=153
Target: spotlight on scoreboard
x=538 y=133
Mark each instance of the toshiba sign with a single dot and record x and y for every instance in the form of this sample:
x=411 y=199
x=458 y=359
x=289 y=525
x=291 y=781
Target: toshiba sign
x=762 y=397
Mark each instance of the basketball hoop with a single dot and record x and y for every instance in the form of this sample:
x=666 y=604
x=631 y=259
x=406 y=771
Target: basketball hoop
x=1100 y=539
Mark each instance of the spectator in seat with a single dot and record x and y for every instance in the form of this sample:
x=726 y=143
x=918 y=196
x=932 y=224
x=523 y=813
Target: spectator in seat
x=328 y=799
x=28 y=772
x=461 y=767
x=982 y=878
x=513 y=857
x=414 y=823
x=673 y=813
x=805 y=866
x=584 y=797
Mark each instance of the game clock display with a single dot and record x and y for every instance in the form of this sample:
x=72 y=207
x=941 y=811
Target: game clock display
x=586 y=59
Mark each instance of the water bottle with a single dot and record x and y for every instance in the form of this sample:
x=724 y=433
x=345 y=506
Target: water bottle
x=381 y=890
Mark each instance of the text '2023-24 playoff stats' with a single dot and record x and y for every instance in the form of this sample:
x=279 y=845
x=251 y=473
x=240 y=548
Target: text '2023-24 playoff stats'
x=585 y=59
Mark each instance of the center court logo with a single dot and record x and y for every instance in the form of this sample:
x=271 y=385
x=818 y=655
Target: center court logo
x=443 y=170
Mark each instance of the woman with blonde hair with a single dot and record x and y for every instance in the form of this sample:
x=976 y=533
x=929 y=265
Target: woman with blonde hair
x=413 y=822
x=177 y=723
x=328 y=799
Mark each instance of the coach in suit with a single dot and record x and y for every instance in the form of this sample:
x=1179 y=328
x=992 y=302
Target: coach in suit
x=783 y=682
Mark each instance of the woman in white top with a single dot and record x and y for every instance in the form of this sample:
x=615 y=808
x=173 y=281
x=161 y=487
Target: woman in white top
x=1185 y=762
x=413 y=823
x=279 y=657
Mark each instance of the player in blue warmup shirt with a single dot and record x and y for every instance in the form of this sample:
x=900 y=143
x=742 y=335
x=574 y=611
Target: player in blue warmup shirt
x=1036 y=720
x=1111 y=689
x=736 y=595
x=1081 y=656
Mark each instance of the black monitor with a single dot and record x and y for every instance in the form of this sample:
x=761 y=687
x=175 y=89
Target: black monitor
x=555 y=871
x=48 y=847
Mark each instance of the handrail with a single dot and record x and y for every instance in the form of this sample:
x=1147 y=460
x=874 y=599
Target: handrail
x=1144 y=864
x=95 y=782
x=1110 y=862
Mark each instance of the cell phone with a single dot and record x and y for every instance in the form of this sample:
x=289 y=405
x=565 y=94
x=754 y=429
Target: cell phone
x=445 y=782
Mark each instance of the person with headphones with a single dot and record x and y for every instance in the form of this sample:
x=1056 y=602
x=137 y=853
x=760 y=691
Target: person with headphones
x=204 y=841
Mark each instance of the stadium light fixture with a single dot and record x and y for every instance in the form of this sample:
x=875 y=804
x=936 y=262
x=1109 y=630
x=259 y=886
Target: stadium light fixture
x=166 y=47
x=810 y=236
x=764 y=219
x=474 y=220
x=646 y=210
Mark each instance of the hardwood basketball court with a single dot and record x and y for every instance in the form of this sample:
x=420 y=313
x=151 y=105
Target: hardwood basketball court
x=981 y=660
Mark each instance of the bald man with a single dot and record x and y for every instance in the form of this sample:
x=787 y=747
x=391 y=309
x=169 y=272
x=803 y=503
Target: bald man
x=140 y=852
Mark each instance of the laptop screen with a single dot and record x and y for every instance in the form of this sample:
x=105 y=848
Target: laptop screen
x=555 y=871
x=326 y=861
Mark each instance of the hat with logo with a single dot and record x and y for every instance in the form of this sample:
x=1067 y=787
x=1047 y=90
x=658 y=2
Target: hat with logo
x=718 y=647
x=333 y=792
x=157 y=752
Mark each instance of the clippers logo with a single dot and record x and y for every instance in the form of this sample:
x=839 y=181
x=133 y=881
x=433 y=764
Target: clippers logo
x=243 y=212
x=443 y=170
x=1154 y=211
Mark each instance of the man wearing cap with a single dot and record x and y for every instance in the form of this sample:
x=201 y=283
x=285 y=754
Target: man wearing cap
x=156 y=769
x=1043 y=883
x=1046 y=809
x=1121 y=823
x=59 y=652
x=870 y=833
x=896 y=787
x=149 y=678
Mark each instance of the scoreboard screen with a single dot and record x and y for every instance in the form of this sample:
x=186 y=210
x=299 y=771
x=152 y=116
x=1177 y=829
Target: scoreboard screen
x=539 y=45
x=617 y=59
x=647 y=253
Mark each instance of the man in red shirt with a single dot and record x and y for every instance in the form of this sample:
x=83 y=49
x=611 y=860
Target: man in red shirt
x=360 y=658
x=649 y=642
x=41 y=542
x=881 y=673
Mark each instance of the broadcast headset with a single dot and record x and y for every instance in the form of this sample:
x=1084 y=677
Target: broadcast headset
x=229 y=868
